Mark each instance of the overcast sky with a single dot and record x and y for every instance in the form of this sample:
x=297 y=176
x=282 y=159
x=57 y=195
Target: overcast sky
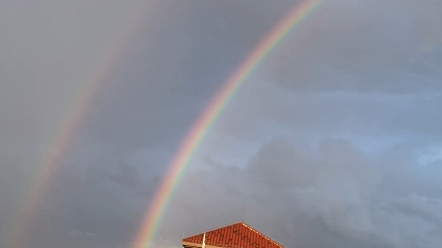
x=335 y=141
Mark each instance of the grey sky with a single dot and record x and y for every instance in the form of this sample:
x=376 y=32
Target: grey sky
x=333 y=142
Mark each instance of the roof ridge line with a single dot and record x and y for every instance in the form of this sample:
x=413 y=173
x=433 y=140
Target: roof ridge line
x=214 y=229
x=261 y=234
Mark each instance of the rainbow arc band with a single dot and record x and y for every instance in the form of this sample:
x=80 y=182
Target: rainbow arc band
x=190 y=144
x=59 y=141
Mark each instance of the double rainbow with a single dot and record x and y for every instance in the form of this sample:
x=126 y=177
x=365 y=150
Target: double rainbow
x=59 y=143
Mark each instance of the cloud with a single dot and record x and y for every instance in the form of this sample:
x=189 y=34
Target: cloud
x=336 y=192
x=255 y=113
x=363 y=46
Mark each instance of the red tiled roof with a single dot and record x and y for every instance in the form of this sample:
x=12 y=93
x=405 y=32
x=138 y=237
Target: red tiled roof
x=238 y=235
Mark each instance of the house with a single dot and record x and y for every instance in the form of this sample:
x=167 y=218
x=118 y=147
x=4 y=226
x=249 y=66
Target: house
x=237 y=235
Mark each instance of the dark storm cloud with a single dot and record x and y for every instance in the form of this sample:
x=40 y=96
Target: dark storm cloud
x=366 y=67
x=368 y=46
x=333 y=196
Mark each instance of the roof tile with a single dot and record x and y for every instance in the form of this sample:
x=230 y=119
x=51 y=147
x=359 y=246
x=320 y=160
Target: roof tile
x=238 y=235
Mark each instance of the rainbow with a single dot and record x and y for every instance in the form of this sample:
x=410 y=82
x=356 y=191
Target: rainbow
x=190 y=144
x=59 y=142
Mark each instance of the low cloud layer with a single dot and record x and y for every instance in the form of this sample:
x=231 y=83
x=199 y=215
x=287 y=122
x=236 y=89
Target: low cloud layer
x=333 y=195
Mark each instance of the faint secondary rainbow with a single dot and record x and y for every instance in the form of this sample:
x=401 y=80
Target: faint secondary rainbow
x=189 y=145
x=59 y=142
